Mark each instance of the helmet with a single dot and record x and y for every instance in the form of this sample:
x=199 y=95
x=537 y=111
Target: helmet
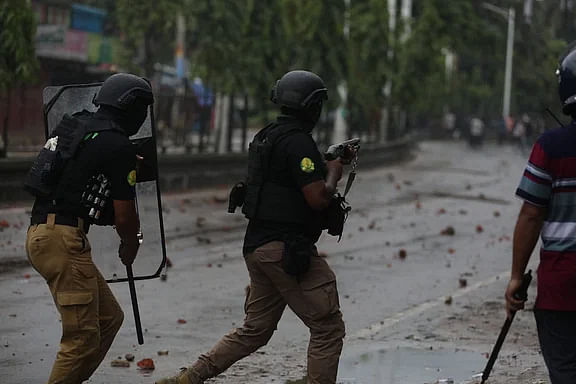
x=567 y=81
x=123 y=91
x=299 y=90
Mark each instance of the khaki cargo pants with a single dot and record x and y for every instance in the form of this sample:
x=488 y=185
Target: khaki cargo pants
x=90 y=314
x=314 y=299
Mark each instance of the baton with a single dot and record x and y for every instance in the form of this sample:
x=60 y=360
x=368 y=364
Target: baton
x=521 y=294
x=135 y=304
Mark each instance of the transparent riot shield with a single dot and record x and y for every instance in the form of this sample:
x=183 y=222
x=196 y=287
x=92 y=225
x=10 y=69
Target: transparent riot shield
x=151 y=257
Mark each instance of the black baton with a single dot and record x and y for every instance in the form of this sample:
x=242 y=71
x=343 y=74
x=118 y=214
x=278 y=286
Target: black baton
x=522 y=294
x=135 y=304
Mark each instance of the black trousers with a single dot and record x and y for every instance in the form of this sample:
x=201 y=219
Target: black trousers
x=557 y=335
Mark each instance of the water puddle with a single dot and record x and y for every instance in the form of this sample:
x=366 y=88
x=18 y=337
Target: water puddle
x=408 y=366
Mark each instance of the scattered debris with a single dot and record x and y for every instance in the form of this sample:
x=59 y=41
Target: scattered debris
x=451 y=251
x=120 y=364
x=398 y=187
x=129 y=357
x=163 y=277
x=372 y=225
x=463 y=282
x=361 y=229
x=448 y=300
x=146 y=364
x=448 y=231
x=463 y=212
x=441 y=211
x=407 y=182
x=390 y=177
x=4 y=224
x=162 y=353
x=402 y=254
x=418 y=205
x=200 y=221
x=496 y=213
x=168 y=262
x=182 y=321
x=203 y=240
x=479 y=229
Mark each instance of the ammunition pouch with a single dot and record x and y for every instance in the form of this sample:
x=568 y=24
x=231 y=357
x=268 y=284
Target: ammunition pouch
x=297 y=253
x=334 y=217
x=96 y=200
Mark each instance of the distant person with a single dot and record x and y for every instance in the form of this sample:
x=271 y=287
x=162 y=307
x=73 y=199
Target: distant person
x=288 y=190
x=549 y=209
x=522 y=132
x=501 y=126
x=476 y=132
x=56 y=243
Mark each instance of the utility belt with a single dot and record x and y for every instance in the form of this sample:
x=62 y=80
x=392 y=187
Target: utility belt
x=52 y=219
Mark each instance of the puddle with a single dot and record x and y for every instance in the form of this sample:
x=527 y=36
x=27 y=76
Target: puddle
x=407 y=366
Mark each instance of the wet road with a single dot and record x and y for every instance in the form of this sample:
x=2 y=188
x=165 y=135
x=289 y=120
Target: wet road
x=422 y=234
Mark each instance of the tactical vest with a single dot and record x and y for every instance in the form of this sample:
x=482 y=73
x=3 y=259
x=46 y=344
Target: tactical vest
x=267 y=200
x=47 y=170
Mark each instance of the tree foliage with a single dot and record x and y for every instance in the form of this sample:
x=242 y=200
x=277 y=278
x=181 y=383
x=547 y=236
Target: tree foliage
x=17 y=54
x=147 y=32
x=243 y=46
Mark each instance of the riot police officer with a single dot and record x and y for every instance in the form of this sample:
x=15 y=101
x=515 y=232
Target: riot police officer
x=289 y=185
x=547 y=188
x=57 y=245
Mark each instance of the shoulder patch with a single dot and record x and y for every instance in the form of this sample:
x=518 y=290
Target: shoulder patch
x=307 y=165
x=131 y=178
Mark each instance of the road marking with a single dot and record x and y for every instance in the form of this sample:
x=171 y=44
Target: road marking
x=376 y=328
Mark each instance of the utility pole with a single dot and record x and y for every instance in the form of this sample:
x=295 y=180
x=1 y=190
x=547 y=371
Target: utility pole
x=179 y=63
x=510 y=15
x=340 y=123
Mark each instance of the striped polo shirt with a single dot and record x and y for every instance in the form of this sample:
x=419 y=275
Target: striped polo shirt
x=549 y=181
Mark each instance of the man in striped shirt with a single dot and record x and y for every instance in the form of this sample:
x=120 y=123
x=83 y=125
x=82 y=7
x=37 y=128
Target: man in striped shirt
x=548 y=188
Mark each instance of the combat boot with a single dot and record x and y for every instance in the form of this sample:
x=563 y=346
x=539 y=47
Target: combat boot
x=186 y=376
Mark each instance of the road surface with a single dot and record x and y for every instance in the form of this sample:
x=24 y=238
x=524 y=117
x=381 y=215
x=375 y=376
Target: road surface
x=422 y=269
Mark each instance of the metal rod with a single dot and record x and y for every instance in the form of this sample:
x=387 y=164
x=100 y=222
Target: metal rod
x=134 y=299
x=554 y=117
x=497 y=347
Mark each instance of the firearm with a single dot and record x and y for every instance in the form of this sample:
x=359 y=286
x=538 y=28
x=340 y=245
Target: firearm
x=237 y=196
x=338 y=150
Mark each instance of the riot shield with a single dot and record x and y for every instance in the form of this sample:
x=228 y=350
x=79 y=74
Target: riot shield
x=151 y=257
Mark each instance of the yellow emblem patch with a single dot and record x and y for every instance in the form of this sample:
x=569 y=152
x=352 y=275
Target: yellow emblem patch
x=131 y=178
x=307 y=165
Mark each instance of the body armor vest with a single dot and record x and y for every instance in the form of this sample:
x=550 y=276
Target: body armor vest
x=265 y=199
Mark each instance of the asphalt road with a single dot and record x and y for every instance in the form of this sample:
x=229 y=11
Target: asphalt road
x=421 y=272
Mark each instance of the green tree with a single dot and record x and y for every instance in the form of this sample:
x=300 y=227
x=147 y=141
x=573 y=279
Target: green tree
x=244 y=46
x=18 y=63
x=368 y=63
x=147 y=32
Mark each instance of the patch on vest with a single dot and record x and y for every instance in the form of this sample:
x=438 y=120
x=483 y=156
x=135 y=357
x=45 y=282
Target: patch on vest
x=131 y=178
x=307 y=165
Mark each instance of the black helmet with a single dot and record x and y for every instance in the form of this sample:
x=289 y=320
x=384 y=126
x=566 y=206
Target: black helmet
x=567 y=81
x=299 y=90
x=124 y=90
